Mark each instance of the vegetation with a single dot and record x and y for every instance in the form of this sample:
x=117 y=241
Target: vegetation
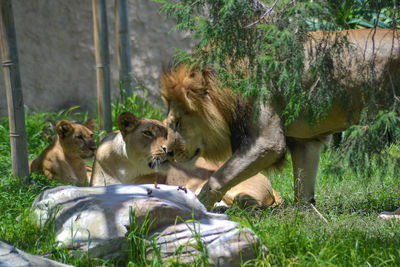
x=351 y=14
x=354 y=235
x=257 y=48
x=373 y=137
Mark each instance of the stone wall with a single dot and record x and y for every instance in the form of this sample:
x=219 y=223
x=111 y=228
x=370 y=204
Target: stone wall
x=56 y=51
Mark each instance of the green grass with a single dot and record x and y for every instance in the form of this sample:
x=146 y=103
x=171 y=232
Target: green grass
x=295 y=235
x=354 y=235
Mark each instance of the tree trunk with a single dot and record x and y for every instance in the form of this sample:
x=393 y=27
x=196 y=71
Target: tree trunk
x=102 y=64
x=15 y=101
x=124 y=54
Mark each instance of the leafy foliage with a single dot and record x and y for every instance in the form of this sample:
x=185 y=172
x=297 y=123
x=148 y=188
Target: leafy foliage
x=353 y=14
x=372 y=142
x=258 y=54
x=257 y=48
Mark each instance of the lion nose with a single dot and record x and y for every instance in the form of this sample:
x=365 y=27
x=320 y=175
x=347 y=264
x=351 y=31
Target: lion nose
x=93 y=147
x=169 y=154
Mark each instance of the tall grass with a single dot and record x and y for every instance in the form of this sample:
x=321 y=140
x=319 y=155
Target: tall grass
x=354 y=235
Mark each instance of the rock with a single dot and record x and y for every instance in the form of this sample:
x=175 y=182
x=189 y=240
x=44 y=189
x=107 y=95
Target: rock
x=387 y=215
x=223 y=240
x=97 y=219
x=13 y=257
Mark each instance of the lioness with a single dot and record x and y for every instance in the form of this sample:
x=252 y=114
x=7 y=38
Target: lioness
x=256 y=190
x=218 y=124
x=133 y=155
x=63 y=160
x=138 y=154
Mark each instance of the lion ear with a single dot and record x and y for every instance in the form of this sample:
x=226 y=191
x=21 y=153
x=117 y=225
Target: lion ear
x=127 y=122
x=64 y=128
x=208 y=75
x=90 y=124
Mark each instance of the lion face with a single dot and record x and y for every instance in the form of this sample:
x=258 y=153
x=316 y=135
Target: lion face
x=146 y=141
x=199 y=124
x=187 y=132
x=77 y=139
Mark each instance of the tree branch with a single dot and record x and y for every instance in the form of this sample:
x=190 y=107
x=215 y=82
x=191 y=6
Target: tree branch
x=259 y=5
x=319 y=214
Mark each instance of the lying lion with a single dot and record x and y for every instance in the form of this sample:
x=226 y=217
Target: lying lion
x=138 y=154
x=219 y=125
x=63 y=159
x=256 y=190
x=133 y=155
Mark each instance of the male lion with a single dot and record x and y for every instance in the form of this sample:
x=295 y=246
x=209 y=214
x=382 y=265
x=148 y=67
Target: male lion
x=63 y=160
x=138 y=154
x=219 y=125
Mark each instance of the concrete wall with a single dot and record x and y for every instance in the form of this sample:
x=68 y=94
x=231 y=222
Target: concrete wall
x=56 y=51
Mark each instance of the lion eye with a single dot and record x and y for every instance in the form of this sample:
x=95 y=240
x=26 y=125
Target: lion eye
x=80 y=137
x=148 y=133
x=177 y=124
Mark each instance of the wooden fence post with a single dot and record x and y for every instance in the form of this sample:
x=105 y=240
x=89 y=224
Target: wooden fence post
x=102 y=64
x=124 y=53
x=15 y=101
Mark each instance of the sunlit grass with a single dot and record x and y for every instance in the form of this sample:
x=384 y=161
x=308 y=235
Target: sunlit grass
x=354 y=235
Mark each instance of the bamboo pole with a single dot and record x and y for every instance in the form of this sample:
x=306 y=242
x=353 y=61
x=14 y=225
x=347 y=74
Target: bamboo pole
x=102 y=64
x=124 y=53
x=15 y=101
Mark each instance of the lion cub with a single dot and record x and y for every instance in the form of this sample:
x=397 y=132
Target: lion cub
x=135 y=154
x=63 y=160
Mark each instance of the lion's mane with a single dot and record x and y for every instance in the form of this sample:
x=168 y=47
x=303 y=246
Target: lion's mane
x=199 y=92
